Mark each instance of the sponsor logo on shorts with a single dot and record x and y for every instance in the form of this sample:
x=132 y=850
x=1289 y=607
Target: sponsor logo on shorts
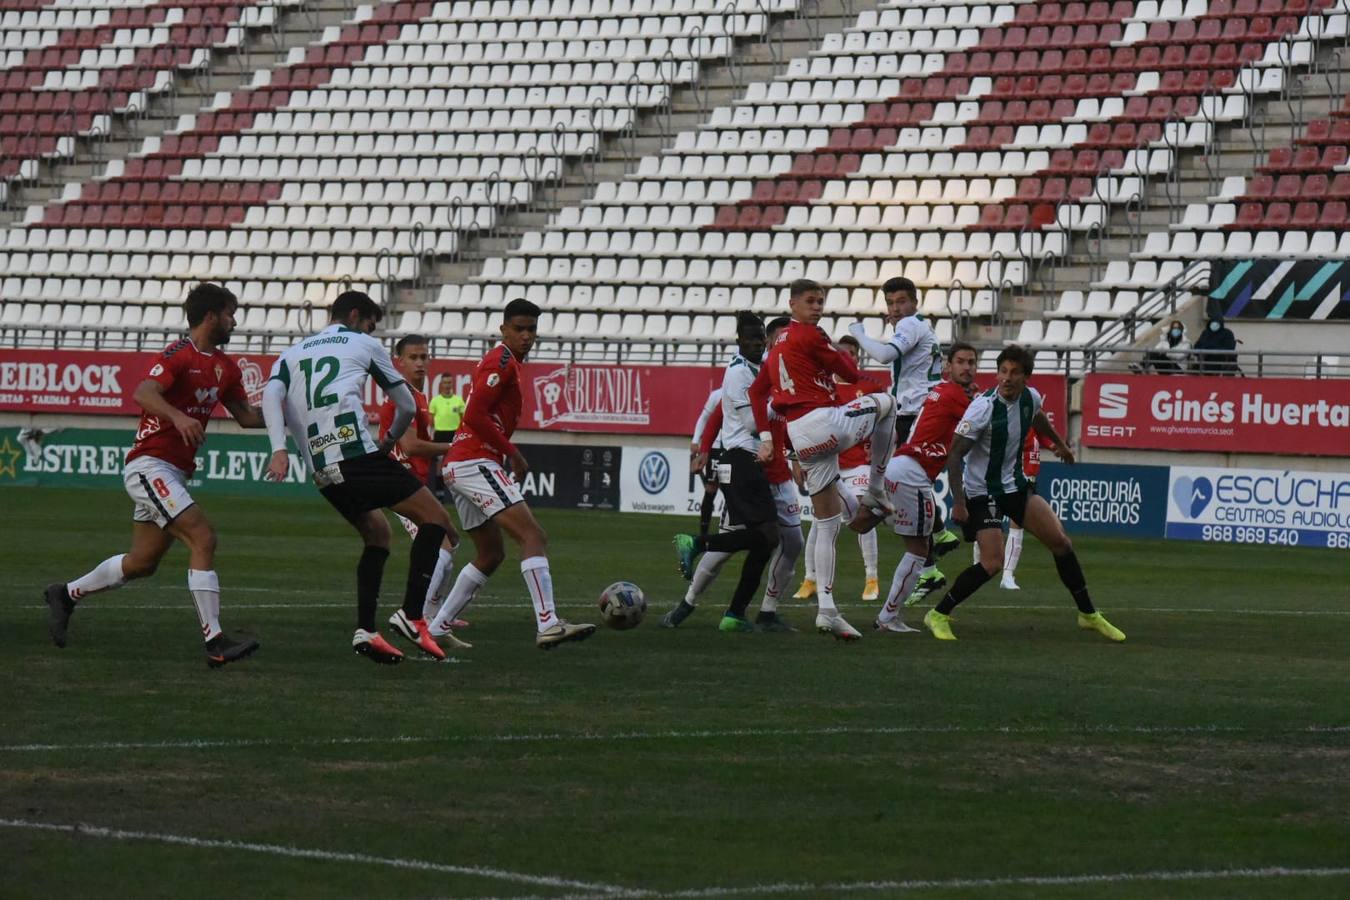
x=816 y=449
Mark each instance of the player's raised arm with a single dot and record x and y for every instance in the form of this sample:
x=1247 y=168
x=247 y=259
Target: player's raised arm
x=758 y=395
x=1040 y=423
x=149 y=394
x=884 y=352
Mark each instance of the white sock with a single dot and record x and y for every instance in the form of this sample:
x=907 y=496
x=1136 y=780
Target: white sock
x=440 y=584
x=829 y=533
x=709 y=566
x=868 y=543
x=1013 y=552
x=205 y=588
x=540 y=582
x=103 y=577
x=975 y=552
x=902 y=584
x=781 y=566
x=883 y=441
x=466 y=588
x=811 y=554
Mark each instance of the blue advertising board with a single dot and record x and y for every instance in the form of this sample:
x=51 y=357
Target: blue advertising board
x=1123 y=501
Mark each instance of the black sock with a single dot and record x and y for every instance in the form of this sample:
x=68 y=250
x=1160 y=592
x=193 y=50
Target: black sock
x=939 y=524
x=369 y=574
x=967 y=583
x=426 y=550
x=752 y=572
x=1071 y=573
x=931 y=558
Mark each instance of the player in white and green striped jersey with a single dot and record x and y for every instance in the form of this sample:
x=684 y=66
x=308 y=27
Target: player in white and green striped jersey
x=989 y=438
x=317 y=391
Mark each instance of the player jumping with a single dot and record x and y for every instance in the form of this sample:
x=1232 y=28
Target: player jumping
x=486 y=496
x=801 y=367
x=992 y=432
x=178 y=396
x=317 y=390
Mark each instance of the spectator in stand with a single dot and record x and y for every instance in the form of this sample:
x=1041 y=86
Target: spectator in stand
x=1218 y=345
x=1173 y=352
x=447 y=411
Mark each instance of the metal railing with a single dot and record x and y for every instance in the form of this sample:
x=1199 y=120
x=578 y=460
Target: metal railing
x=1153 y=305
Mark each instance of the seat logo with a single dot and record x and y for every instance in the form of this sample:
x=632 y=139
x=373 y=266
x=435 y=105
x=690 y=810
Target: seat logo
x=1113 y=401
x=654 y=472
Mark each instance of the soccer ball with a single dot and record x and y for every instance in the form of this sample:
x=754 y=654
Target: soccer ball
x=622 y=605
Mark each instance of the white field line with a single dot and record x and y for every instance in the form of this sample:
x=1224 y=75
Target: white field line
x=1051 y=881
x=593 y=891
x=591 y=888
x=694 y=735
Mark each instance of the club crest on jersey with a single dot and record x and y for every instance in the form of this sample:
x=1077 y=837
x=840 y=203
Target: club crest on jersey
x=494 y=379
x=157 y=371
x=220 y=370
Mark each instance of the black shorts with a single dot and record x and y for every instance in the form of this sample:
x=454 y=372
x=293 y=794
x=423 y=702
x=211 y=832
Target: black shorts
x=746 y=490
x=373 y=481
x=988 y=512
x=904 y=424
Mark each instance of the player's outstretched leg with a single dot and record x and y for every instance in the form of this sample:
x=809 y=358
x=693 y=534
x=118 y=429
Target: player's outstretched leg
x=707 y=570
x=752 y=571
x=433 y=529
x=882 y=449
x=1041 y=521
x=525 y=530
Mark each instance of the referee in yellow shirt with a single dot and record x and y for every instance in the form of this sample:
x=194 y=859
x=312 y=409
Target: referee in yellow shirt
x=447 y=411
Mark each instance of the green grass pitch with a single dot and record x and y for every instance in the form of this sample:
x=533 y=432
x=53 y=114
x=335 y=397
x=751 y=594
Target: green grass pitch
x=1209 y=756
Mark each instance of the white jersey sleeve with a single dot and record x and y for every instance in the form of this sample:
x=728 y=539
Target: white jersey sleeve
x=325 y=379
x=738 y=421
x=714 y=400
x=919 y=365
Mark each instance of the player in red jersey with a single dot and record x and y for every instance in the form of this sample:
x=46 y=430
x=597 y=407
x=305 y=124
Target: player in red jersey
x=178 y=395
x=415 y=450
x=910 y=476
x=801 y=366
x=855 y=477
x=487 y=497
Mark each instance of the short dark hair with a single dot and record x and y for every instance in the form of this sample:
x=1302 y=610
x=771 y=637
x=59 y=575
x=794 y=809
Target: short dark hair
x=775 y=324
x=1018 y=354
x=207 y=297
x=851 y=341
x=900 y=284
x=957 y=347
x=520 y=307
x=409 y=340
x=355 y=301
x=748 y=321
x=804 y=286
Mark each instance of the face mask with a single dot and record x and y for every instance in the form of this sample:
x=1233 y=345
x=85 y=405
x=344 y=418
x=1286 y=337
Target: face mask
x=1213 y=326
x=1176 y=332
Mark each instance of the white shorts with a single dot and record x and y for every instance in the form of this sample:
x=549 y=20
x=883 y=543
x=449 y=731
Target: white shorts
x=408 y=525
x=481 y=488
x=911 y=493
x=856 y=480
x=822 y=434
x=158 y=489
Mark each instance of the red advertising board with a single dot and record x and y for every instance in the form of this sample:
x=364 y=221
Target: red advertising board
x=1298 y=416
x=611 y=399
x=558 y=396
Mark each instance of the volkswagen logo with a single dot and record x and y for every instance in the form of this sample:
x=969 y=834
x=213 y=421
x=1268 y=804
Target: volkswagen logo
x=654 y=472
